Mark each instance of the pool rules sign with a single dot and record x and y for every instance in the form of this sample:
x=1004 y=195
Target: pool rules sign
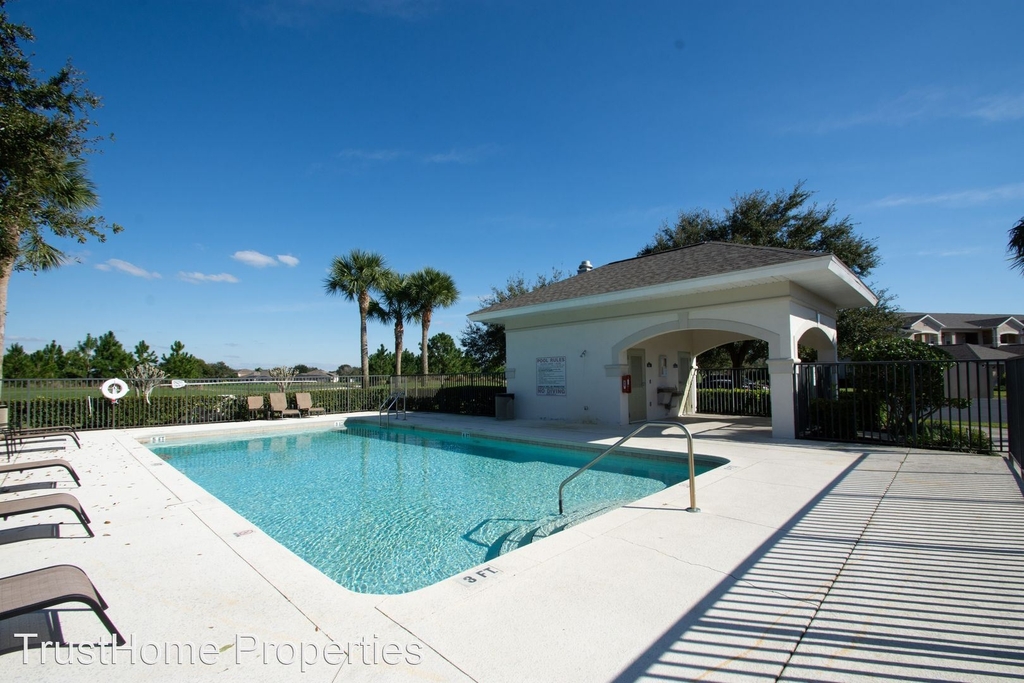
x=551 y=376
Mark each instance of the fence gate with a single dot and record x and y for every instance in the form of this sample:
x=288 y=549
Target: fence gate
x=734 y=391
x=1015 y=408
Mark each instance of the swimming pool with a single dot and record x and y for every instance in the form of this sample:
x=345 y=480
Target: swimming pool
x=390 y=510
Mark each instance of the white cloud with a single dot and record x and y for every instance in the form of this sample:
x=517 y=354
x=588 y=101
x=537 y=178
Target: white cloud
x=305 y=13
x=254 y=259
x=129 y=268
x=469 y=155
x=1000 y=108
x=1011 y=192
x=196 y=278
x=948 y=253
x=456 y=155
x=288 y=260
x=371 y=154
x=931 y=103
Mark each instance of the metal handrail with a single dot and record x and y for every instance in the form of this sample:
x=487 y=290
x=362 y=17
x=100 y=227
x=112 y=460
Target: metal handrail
x=689 y=445
x=389 y=403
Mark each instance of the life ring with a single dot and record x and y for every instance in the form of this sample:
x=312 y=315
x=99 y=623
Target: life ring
x=114 y=388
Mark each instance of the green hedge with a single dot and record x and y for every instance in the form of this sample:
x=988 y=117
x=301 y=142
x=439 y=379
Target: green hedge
x=186 y=408
x=97 y=413
x=850 y=418
x=844 y=419
x=948 y=437
x=471 y=400
x=84 y=412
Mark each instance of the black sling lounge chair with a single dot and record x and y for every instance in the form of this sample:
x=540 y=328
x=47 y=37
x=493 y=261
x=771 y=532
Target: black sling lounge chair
x=16 y=438
x=50 y=501
x=41 y=464
x=32 y=591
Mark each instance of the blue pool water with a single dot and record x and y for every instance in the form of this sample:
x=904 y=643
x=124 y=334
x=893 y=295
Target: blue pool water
x=390 y=511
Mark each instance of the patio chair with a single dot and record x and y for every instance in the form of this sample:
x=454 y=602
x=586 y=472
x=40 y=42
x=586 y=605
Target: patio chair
x=14 y=439
x=304 y=402
x=255 y=404
x=51 y=501
x=279 y=404
x=35 y=590
x=41 y=464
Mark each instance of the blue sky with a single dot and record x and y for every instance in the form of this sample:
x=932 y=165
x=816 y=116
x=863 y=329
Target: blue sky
x=257 y=139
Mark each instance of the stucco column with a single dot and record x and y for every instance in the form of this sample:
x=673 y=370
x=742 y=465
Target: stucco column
x=780 y=374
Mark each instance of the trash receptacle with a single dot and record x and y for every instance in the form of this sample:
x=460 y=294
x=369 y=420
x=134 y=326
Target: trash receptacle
x=505 y=406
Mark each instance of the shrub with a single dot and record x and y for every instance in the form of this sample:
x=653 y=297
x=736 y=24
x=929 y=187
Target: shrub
x=946 y=437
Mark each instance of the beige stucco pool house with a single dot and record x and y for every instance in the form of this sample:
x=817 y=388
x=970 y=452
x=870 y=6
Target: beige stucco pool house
x=618 y=343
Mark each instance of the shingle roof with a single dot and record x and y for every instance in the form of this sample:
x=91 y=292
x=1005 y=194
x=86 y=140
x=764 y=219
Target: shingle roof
x=685 y=263
x=1015 y=349
x=975 y=352
x=962 y=321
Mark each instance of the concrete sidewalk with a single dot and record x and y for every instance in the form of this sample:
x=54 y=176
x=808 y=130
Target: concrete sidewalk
x=906 y=569
x=807 y=562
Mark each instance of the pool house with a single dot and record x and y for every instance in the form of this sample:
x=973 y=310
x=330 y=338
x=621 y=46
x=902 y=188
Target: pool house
x=618 y=344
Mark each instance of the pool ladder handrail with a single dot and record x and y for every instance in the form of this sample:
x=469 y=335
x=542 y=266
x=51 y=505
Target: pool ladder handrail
x=391 y=404
x=689 y=446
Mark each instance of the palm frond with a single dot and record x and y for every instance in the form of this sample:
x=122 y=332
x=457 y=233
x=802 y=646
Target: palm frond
x=35 y=254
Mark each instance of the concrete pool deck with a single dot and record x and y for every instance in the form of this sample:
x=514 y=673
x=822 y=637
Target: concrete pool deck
x=808 y=561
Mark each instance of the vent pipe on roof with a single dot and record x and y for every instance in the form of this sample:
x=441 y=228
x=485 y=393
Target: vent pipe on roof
x=584 y=267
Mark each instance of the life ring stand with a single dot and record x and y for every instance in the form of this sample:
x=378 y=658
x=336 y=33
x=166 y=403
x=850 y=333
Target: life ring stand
x=114 y=389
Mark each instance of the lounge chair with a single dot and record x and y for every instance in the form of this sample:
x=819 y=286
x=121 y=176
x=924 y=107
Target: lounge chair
x=304 y=402
x=279 y=404
x=15 y=438
x=255 y=404
x=35 y=590
x=41 y=464
x=51 y=501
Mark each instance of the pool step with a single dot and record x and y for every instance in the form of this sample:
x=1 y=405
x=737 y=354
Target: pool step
x=525 y=534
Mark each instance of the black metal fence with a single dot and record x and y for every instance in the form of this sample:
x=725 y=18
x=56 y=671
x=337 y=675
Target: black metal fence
x=1015 y=408
x=733 y=391
x=945 y=405
x=462 y=394
x=79 y=403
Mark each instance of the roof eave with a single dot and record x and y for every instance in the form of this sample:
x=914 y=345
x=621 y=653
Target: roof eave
x=859 y=296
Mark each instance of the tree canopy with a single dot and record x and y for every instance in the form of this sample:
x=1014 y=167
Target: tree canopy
x=180 y=364
x=1016 y=245
x=787 y=219
x=484 y=342
x=395 y=305
x=431 y=289
x=104 y=357
x=447 y=357
x=856 y=327
x=355 y=276
x=43 y=181
x=781 y=220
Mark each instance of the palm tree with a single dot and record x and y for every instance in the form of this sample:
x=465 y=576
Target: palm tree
x=60 y=194
x=431 y=289
x=354 y=276
x=395 y=306
x=1016 y=246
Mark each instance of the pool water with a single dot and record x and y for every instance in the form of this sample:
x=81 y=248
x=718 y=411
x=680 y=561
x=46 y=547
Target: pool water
x=389 y=511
